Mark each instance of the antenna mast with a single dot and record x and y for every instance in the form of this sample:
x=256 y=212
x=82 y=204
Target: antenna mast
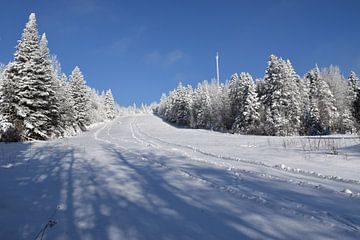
x=217 y=69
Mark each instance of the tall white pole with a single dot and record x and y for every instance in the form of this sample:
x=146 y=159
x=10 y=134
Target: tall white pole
x=217 y=69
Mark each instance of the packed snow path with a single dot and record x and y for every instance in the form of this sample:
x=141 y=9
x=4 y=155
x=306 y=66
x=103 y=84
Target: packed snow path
x=140 y=178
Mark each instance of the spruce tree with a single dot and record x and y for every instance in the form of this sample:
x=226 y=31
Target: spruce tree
x=109 y=105
x=28 y=94
x=201 y=106
x=48 y=76
x=80 y=96
x=234 y=96
x=68 y=121
x=356 y=108
x=248 y=117
x=181 y=105
x=280 y=96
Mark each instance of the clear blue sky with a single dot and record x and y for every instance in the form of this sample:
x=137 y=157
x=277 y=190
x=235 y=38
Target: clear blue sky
x=141 y=49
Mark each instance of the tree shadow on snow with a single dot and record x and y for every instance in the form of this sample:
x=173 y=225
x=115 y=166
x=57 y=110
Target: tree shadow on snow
x=124 y=195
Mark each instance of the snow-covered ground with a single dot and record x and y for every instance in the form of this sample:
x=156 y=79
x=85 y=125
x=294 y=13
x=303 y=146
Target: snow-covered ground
x=140 y=178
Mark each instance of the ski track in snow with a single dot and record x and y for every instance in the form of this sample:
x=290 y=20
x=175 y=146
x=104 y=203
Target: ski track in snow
x=280 y=167
x=277 y=191
x=324 y=217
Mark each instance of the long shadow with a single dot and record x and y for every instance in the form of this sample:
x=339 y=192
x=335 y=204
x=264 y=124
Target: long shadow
x=30 y=188
x=162 y=211
x=128 y=195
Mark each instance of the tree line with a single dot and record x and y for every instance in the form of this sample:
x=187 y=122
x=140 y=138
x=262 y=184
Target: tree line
x=280 y=104
x=38 y=101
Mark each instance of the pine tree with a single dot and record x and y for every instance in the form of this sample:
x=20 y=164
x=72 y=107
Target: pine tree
x=109 y=105
x=248 y=117
x=80 y=96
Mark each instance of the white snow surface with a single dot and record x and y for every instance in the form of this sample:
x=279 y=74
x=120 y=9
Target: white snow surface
x=139 y=178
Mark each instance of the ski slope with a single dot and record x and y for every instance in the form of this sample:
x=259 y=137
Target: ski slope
x=140 y=178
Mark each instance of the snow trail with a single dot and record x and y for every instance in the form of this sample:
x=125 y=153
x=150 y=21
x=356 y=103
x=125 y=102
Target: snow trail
x=118 y=181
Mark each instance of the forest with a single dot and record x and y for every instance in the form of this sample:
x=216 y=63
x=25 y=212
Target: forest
x=281 y=104
x=39 y=102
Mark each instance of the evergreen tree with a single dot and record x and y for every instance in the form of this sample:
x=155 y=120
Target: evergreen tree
x=28 y=94
x=80 y=96
x=326 y=105
x=356 y=108
x=280 y=96
x=201 y=106
x=337 y=85
x=219 y=107
x=109 y=105
x=353 y=84
x=322 y=102
x=248 y=117
x=312 y=120
x=353 y=87
x=2 y=69
x=47 y=74
x=68 y=121
x=181 y=105
x=235 y=96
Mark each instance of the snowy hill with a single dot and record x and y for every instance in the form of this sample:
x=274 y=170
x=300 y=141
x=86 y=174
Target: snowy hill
x=140 y=178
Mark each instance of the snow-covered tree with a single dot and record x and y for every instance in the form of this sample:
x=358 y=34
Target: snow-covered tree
x=219 y=106
x=353 y=98
x=201 y=106
x=96 y=111
x=337 y=85
x=281 y=97
x=109 y=105
x=353 y=84
x=2 y=69
x=47 y=74
x=235 y=96
x=163 y=106
x=81 y=98
x=323 y=100
x=28 y=92
x=356 y=108
x=68 y=122
x=340 y=90
x=248 y=117
x=312 y=124
x=181 y=105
